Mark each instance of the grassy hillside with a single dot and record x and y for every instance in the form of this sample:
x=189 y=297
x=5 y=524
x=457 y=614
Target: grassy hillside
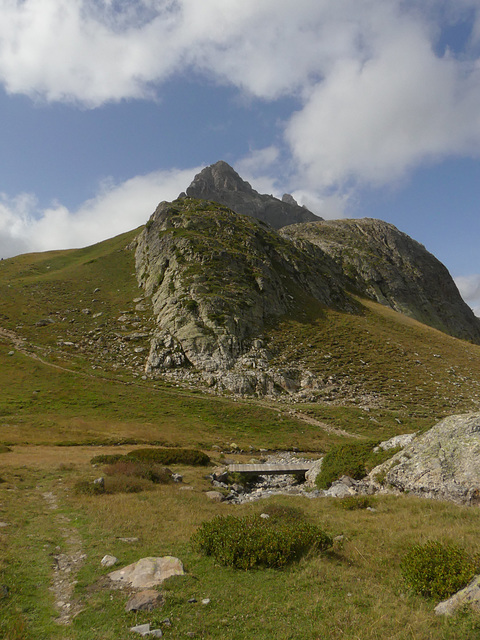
x=63 y=382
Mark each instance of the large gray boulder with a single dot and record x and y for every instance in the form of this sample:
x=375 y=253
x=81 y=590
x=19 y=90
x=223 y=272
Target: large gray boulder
x=442 y=463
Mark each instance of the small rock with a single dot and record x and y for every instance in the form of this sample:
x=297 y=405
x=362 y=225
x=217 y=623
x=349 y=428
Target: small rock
x=206 y=601
x=192 y=600
x=215 y=496
x=129 y=539
x=265 y=516
x=100 y=482
x=176 y=477
x=11 y=353
x=145 y=601
x=4 y=524
x=142 y=629
x=167 y=622
x=108 y=561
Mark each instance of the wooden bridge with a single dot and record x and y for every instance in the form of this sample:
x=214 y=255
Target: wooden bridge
x=271 y=469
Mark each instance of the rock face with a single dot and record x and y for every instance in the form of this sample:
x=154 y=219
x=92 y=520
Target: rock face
x=216 y=279
x=384 y=264
x=442 y=463
x=222 y=184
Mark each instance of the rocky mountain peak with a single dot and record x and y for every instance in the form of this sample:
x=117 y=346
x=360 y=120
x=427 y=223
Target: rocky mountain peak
x=217 y=178
x=221 y=183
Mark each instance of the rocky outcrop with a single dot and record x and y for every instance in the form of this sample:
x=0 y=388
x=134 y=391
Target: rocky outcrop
x=216 y=279
x=467 y=597
x=381 y=262
x=220 y=183
x=442 y=463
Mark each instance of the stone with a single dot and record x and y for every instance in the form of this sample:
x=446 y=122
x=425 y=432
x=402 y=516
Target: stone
x=313 y=472
x=442 y=463
x=100 y=482
x=146 y=600
x=108 y=561
x=206 y=601
x=11 y=353
x=215 y=496
x=142 y=629
x=129 y=539
x=148 y=572
x=469 y=596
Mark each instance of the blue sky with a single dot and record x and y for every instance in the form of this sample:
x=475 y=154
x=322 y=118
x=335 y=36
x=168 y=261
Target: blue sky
x=357 y=107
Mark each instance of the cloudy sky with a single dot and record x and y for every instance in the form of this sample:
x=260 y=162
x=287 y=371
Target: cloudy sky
x=357 y=107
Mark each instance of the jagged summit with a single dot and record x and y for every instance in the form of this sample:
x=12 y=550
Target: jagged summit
x=221 y=183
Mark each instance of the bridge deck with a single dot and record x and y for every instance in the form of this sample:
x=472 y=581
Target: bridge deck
x=270 y=469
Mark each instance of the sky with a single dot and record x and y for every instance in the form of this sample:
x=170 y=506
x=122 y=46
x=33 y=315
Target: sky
x=359 y=108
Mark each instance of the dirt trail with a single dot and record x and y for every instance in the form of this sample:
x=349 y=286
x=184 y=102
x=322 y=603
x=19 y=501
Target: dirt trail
x=323 y=425
x=66 y=565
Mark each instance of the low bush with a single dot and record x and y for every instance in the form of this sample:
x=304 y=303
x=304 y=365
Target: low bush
x=354 y=459
x=88 y=488
x=191 y=457
x=283 y=513
x=438 y=570
x=251 y=541
x=127 y=484
x=4 y=448
x=351 y=503
x=152 y=472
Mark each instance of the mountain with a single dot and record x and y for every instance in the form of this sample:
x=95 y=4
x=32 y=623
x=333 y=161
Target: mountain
x=222 y=184
x=382 y=263
x=222 y=284
x=327 y=313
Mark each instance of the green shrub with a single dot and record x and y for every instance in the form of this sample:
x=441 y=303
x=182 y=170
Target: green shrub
x=283 y=513
x=85 y=487
x=354 y=459
x=251 y=541
x=351 y=503
x=437 y=570
x=149 y=471
x=192 y=457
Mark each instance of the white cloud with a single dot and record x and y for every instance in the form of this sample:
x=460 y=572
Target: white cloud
x=376 y=97
x=373 y=121
x=469 y=287
x=116 y=208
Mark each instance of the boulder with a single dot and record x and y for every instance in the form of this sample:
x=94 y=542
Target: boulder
x=148 y=572
x=470 y=596
x=442 y=463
